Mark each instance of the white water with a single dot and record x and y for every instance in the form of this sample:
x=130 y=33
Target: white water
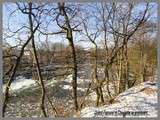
x=20 y=83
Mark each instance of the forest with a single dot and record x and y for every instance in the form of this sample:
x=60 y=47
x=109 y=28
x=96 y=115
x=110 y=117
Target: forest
x=60 y=58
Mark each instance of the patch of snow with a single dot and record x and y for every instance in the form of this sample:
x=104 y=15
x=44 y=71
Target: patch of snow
x=132 y=103
x=66 y=87
x=69 y=87
x=68 y=79
x=20 y=83
x=79 y=81
x=92 y=96
x=51 y=82
x=82 y=89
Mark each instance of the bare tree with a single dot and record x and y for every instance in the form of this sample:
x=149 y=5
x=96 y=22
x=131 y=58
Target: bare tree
x=42 y=104
x=92 y=38
x=69 y=35
x=33 y=30
x=6 y=94
x=129 y=27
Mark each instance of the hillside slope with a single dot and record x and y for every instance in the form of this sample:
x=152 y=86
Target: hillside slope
x=138 y=101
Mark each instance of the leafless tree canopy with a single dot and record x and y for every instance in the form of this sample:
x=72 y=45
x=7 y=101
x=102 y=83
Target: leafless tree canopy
x=99 y=44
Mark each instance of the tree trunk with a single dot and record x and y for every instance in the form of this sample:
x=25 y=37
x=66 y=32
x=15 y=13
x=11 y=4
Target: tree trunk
x=126 y=68
x=107 y=80
x=69 y=36
x=142 y=64
x=74 y=74
x=99 y=91
x=42 y=106
x=122 y=81
x=6 y=94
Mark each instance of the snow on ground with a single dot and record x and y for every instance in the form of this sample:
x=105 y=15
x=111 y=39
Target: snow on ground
x=69 y=79
x=139 y=101
x=69 y=87
x=20 y=83
x=79 y=81
x=51 y=82
x=93 y=96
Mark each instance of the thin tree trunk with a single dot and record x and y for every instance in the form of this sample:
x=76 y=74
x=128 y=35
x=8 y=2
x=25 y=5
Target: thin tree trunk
x=143 y=68
x=86 y=94
x=74 y=74
x=107 y=80
x=96 y=77
x=99 y=91
x=121 y=72
x=71 y=44
x=6 y=94
x=42 y=104
x=126 y=67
